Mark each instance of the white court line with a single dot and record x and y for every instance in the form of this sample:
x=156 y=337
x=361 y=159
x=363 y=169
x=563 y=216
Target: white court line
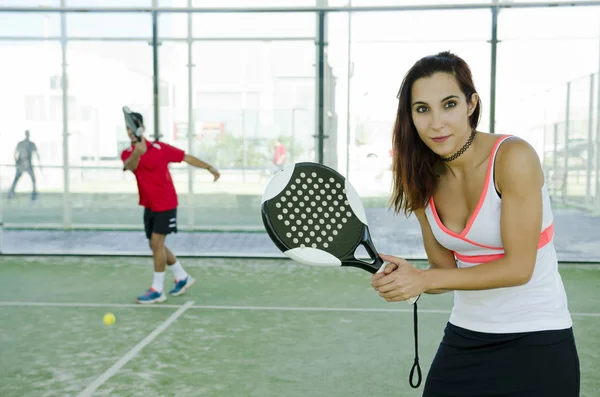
x=215 y=307
x=318 y=309
x=255 y=308
x=85 y=304
x=344 y=309
x=134 y=352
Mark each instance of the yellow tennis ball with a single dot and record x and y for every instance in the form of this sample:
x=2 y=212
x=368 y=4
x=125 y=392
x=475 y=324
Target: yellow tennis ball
x=109 y=319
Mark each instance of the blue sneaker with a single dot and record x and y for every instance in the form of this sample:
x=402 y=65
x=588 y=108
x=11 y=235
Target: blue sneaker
x=151 y=296
x=182 y=285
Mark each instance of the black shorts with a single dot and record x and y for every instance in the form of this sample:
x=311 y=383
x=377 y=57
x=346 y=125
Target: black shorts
x=526 y=364
x=163 y=222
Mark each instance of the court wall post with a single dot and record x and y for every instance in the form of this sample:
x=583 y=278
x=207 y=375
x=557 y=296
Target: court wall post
x=589 y=167
x=596 y=208
x=348 y=82
x=555 y=172
x=320 y=89
x=566 y=147
x=67 y=219
x=1 y=213
x=494 y=48
x=155 y=83
x=597 y=171
x=191 y=130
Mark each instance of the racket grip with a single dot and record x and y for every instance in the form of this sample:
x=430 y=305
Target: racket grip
x=410 y=301
x=139 y=132
x=381 y=268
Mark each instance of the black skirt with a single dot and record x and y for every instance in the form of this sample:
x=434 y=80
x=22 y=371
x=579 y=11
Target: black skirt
x=527 y=364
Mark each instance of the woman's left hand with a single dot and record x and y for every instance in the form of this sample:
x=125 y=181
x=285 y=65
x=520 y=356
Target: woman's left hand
x=400 y=280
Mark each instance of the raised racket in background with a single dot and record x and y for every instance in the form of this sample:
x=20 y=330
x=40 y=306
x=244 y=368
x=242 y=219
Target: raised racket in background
x=133 y=123
x=315 y=217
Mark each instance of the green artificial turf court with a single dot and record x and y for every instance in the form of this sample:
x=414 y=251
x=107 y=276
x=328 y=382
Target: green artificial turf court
x=249 y=327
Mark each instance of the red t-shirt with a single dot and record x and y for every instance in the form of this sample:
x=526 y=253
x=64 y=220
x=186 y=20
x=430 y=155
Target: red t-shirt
x=154 y=181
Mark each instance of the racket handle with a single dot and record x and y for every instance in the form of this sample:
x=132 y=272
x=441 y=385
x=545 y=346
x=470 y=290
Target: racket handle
x=139 y=132
x=410 y=301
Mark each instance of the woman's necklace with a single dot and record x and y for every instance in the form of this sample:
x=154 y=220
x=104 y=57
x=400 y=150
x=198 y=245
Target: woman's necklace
x=462 y=149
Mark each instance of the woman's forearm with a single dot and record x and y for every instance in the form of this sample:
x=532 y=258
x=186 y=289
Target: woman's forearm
x=495 y=274
x=440 y=290
x=437 y=291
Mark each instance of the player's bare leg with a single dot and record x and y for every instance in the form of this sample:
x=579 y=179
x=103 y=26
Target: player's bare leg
x=171 y=258
x=159 y=255
x=183 y=280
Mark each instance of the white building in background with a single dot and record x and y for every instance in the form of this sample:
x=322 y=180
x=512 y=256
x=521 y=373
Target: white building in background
x=261 y=89
x=258 y=89
x=95 y=120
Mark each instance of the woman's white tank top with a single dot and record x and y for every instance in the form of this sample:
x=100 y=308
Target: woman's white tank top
x=541 y=304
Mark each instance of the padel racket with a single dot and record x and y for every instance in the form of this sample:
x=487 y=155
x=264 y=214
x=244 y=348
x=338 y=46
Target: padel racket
x=315 y=217
x=133 y=123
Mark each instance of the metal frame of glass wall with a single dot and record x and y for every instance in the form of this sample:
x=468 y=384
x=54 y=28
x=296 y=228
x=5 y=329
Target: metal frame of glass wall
x=320 y=40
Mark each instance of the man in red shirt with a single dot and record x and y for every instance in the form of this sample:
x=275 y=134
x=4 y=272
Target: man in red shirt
x=279 y=154
x=149 y=162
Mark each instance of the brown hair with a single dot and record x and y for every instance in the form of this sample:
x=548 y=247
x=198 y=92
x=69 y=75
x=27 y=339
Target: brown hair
x=414 y=164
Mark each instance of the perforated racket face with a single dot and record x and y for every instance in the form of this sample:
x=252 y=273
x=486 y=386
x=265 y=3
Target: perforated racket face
x=314 y=215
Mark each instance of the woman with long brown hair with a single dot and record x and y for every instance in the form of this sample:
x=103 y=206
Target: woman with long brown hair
x=487 y=228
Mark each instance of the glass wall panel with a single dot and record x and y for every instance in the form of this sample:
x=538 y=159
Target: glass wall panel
x=337 y=96
x=31 y=99
x=547 y=94
x=541 y=1
x=248 y=98
x=109 y=25
x=238 y=90
x=174 y=116
x=255 y=3
x=30 y=3
x=384 y=47
x=103 y=77
x=29 y=24
x=173 y=25
x=109 y=3
x=259 y=25
x=391 y=3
